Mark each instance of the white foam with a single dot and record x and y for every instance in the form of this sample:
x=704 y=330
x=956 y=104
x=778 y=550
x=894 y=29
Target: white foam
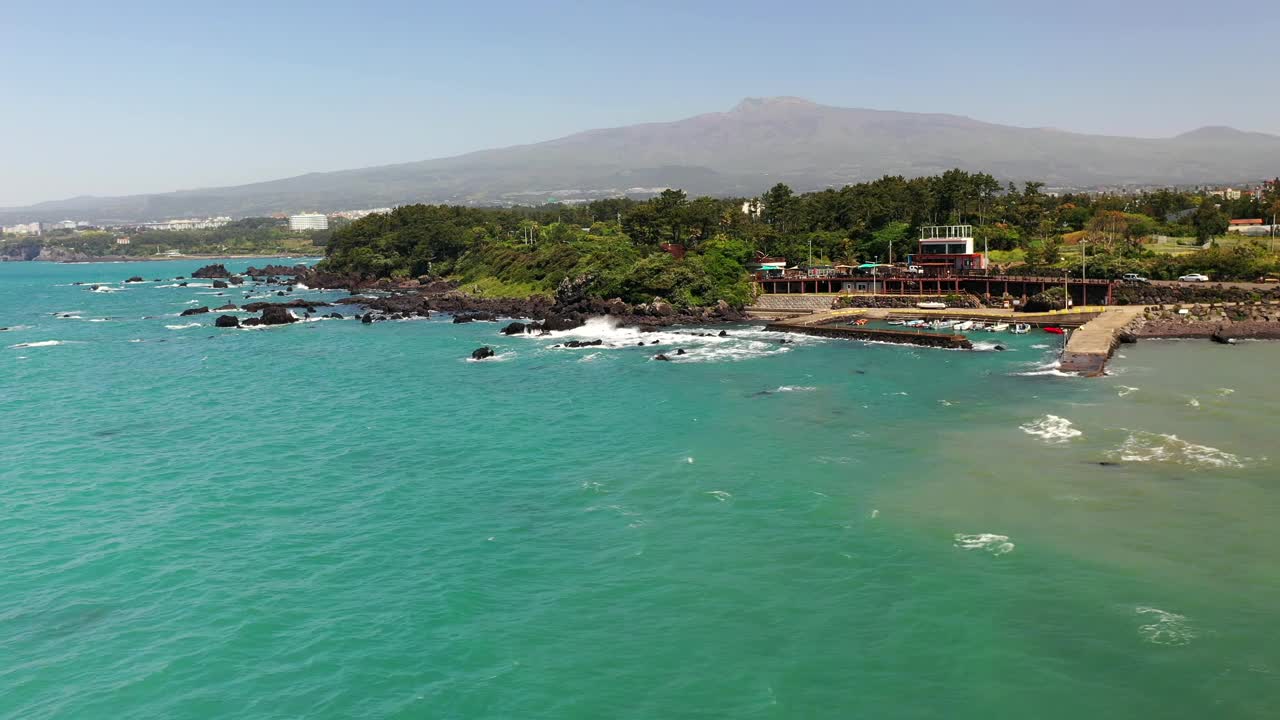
x=1193 y=402
x=40 y=343
x=991 y=542
x=589 y=358
x=1040 y=346
x=1048 y=369
x=1052 y=429
x=795 y=388
x=1142 y=446
x=1126 y=390
x=1225 y=391
x=743 y=343
x=720 y=495
x=500 y=357
x=105 y=289
x=1168 y=628
x=183 y=327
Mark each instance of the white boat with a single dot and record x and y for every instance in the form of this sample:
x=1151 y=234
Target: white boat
x=897 y=322
x=962 y=326
x=998 y=327
x=931 y=306
x=1021 y=329
x=916 y=323
x=943 y=324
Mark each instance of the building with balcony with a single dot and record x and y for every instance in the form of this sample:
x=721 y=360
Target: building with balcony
x=947 y=248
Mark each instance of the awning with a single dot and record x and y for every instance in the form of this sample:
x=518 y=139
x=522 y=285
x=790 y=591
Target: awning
x=773 y=266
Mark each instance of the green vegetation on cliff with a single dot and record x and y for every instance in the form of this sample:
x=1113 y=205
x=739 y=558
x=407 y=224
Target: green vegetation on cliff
x=620 y=242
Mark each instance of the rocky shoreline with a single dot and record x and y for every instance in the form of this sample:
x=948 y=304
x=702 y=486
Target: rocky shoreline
x=382 y=300
x=1215 y=321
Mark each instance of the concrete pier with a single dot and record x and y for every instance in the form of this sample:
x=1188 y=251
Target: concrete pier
x=1089 y=347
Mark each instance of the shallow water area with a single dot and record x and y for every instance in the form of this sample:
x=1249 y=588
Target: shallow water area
x=332 y=520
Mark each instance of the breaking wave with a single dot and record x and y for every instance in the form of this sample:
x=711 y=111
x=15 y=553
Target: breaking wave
x=795 y=388
x=699 y=345
x=1052 y=429
x=183 y=327
x=1145 y=446
x=992 y=543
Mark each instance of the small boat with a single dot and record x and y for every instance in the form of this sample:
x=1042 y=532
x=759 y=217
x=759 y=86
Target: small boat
x=916 y=323
x=1054 y=330
x=897 y=322
x=931 y=306
x=943 y=324
x=962 y=326
x=998 y=327
x=859 y=322
x=1021 y=329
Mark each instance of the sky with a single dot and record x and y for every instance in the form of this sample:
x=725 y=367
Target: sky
x=118 y=98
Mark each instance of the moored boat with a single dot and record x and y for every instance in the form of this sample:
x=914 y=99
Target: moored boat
x=1054 y=330
x=962 y=326
x=998 y=327
x=931 y=306
x=1021 y=329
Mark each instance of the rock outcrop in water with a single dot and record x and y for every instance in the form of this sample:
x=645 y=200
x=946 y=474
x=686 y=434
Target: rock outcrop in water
x=194 y=311
x=482 y=353
x=211 y=271
x=277 y=315
x=227 y=321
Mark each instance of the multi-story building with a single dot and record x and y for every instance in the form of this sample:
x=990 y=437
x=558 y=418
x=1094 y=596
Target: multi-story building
x=188 y=224
x=308 y=221
x=32 y=228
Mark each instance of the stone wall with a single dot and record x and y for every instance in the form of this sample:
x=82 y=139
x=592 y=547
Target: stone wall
x=1260 y=320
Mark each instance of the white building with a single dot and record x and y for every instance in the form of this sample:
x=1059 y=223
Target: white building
x=65 y=225
x=33 y=228
x=188 y=224
x=308 y=221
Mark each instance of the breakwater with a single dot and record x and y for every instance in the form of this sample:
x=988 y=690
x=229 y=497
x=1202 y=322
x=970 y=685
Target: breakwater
x=901 y=337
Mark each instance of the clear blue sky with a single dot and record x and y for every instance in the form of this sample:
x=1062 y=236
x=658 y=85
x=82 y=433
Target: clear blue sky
x=111 y=98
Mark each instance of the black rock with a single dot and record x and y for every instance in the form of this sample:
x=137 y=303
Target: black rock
x=251 y=322
x=227 y=321
x=280 y=293
x=482 y=353
x=219 y=285
x=211 y=271
x=184 y=284
x=194 y=311
x=135 y=278
x=366 y=318
x=235 y=280
x=640 y=344
x=655 y=342
x=334 y=316
x=724 y=333
x=679 y=351
x=583 y=343
x=661 y=357
x=277 y=315
x=516 y=328
x=999 y=348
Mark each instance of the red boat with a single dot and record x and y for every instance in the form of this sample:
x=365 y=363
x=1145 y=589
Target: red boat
x=1054 y=330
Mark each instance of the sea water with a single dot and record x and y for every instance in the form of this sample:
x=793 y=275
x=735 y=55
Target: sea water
x=335 y=520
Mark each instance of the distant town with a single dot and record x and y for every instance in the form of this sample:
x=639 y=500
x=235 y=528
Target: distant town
x=301 y=221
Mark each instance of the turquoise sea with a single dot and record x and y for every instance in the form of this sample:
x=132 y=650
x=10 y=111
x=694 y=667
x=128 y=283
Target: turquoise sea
x=336 y=520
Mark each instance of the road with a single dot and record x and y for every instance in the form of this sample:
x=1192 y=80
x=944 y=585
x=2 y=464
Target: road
x=1239 y=285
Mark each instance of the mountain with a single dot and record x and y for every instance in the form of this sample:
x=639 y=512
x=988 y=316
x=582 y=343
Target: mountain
x=759 y=142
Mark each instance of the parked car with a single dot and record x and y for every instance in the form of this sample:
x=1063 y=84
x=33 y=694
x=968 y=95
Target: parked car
x=1134 y=278
x=1194 y=277
x=1268 y=279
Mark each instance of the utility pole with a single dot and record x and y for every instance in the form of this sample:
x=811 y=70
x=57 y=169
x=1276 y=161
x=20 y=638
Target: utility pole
x=1083 y=288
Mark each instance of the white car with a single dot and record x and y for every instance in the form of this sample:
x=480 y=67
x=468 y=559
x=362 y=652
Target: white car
x=1194 y=277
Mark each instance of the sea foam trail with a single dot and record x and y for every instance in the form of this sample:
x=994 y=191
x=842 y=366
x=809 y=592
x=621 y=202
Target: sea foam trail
x=1142 y=446
x=41 y=343
x=1052 y=429
x=183 y=327
x=1164 y=628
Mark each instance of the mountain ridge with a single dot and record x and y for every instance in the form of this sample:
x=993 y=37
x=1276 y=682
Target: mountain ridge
x=741 y=151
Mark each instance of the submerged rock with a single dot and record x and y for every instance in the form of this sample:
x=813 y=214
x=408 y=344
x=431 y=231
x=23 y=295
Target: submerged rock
x=135 y=279
x=194 y=311
x=662 y=357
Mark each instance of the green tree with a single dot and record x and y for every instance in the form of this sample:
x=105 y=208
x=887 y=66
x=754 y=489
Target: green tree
x=1209 y=221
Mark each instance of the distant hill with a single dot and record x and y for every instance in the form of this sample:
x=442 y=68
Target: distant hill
x=759 y=142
